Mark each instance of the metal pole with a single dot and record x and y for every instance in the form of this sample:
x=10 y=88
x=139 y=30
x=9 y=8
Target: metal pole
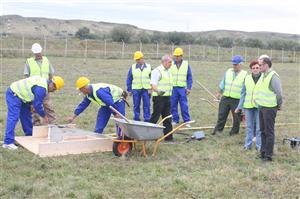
x=85 y=50
x=294 y=56
x=123 y=47
x=66 y=47
x=23 y=45
x=245 y=54
x=203 y=52
x=282 y=55
x=232 y=51
x=257 y=52
x=104 y=48
x=45 y=44
x=141 y=46
x=271 y=53
x=218 y=54
x=189 y=52
x=157 y=50
x=172 y=48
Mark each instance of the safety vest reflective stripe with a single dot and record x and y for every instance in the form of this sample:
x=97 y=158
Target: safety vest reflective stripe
x=141 y=78
x=263 y=96
x=22 y=88
x=40 y=70
x=165 y=83
x=180 y=74
x=115 y=91
x=233 y=87
x=250 y=85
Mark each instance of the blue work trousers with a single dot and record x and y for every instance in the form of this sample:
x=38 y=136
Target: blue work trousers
x=179 y=95
x=104 y=114
x=17 y=109
x=139 y=94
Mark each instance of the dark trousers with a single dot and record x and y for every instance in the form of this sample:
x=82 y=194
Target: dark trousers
x=267 y=122
x=228 y=104
x=161 y=107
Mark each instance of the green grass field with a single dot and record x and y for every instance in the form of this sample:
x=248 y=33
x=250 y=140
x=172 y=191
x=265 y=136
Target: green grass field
x=216 y=167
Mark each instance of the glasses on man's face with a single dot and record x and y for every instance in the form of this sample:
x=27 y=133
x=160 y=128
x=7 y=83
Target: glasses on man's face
x=255 y=68
x=262 y=64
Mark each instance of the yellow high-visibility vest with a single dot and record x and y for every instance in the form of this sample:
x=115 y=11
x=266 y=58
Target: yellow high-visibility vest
x=249 y=98
x=233 y=87
x=22 y=88
x=263 y=96
x=141 y=78
x=180 y=74
x=165 y=83
x=42 y=70
x=115 y=91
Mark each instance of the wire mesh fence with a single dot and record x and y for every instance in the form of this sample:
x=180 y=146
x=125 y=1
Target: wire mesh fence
x=70 y=47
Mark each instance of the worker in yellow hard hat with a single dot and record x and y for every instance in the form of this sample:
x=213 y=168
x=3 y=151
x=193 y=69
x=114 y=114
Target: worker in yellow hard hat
x=138 y=85
x=182 y=86
x=39 y=65
x=103 y=95
x=19 y=96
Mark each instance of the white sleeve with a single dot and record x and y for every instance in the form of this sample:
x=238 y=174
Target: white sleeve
x=155 y=77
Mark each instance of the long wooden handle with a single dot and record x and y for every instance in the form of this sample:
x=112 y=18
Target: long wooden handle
x=208 y=91
x=122 y=116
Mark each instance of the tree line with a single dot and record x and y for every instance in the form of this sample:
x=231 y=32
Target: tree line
x=127 y=35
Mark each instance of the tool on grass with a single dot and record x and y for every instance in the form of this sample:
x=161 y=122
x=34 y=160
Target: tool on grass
x=208 y=91
x=294 y=142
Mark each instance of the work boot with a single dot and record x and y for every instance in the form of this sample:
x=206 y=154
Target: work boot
x=267 y=159
x=188 y=126
x=10 y=146
x=215 y=132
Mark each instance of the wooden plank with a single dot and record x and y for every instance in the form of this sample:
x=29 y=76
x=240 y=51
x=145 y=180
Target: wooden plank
x=40 y=131
x=44 y=148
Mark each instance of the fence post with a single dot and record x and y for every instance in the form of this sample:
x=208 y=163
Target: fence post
x=141 y=46
x=271 y=53
x=257 y=52
x=245 y=53
x=85 y=50
x=231 y=52
x=282 y=55
x=66 y=47
x=189 y=52
x=123 y=47
x=157 y=50
x=23 y=45
x=294 y=56
x=45 y=44
x=172 y=48
x=203 y=53
x=105 y=48
x=218 y=54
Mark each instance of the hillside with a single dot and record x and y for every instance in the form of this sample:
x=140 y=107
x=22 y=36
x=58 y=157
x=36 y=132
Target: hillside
x=33 y=26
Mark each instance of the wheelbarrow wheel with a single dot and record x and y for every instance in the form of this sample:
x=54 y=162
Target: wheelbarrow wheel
x=122 y=148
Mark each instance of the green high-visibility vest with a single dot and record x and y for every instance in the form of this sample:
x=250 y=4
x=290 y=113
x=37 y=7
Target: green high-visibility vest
x=141 y=78
x=263 y=96
x=42 y=70
x=22 y=88
x=115 y=91
x=165 y=83
x=250 y=85
x=180 y=74
x=233 y=87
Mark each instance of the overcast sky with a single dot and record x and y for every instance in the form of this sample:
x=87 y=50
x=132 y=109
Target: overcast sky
x=170 y=15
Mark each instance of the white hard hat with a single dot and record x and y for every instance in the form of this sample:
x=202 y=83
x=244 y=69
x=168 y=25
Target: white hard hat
x=36 y=48
x=264 y=56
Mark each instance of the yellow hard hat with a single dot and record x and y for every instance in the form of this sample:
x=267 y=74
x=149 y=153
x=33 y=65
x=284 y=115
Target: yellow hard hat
x=178 y=52
x=58 y=81
x=81 y=82
x=138 y=55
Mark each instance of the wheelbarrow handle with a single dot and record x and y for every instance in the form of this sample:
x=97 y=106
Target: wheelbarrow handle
x=167 y=117
x=122 y=116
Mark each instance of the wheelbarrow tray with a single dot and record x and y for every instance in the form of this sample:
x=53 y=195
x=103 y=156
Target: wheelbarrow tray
x=139 y=130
